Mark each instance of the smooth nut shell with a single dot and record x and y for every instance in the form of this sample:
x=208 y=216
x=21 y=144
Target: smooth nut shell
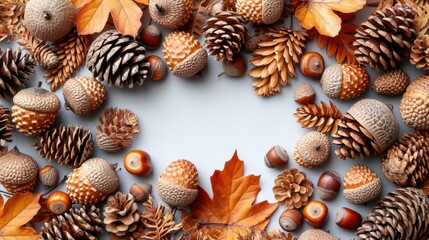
x=58 y=202
x=315 y=213
x=312 y=64
x=140 y=191
x=328 y=185
x=276 y=157
x=291 y=219
x=158 y=67
x=348 y=218
x=151 y=36
x=138 y=162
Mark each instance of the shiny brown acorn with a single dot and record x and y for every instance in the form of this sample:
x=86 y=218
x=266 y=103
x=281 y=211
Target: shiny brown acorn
x=348 y=219
x=361 y=185
x=312 y=64
x=291 y=220
x=83 y=95
x=151 y=36
x=315 y=213
x=138 y=162
x=276 y=157
x=158 y=67
x=58 y=202
x=328 y=185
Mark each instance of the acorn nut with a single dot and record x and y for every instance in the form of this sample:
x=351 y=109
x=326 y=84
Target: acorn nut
x=260 y=11
x=158 y=67
x=291 y=220
x=348 y=219
x=414 y=106
x=315 y=213
x=171 y=14
x=58 y=202
x=361 y=185
x=140 y=191
x=312 y=150
x=317 y=234
x=276 y=157
x=151 y=36
x=312 y=64
x=138 y=162
x=328 y=185
x=177 y=186
x=235 y=68
x=304 y=93
x=48 y=175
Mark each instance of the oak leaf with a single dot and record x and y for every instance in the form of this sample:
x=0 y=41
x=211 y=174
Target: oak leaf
x=320 y=14
x=93 y=15
x=17 y=211
x=231 y=211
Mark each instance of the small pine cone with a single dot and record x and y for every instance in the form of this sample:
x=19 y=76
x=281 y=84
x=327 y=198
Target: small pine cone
x=14 y=68
x=6 y=127
x=292 y=189
x=118 y=59
x=325 y=117
x=407 y=161
x=391 y=83
x=419 y=56
x=71 y=145
x=83 y=223
x=116 y=129
x=403 y=214
x=121 y=214
x=43 y=55
x=387 y=36
x=225 y=34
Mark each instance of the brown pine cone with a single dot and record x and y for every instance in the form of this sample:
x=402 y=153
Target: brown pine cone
x=71 y=145
x=292 y=189
x=325 y=117
x=116 y=129
x=391 y=83
x=6 y=128
x=83 y=223
x=121 y=214
x=225 y=34
x=419 y=56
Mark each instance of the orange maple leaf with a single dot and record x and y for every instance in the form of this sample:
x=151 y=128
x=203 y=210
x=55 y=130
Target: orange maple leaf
x=17 y=211
x=231 y=211
x=320 y=14
x=93 y=15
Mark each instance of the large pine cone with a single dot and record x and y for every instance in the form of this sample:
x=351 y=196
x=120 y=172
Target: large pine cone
x=292 y=189
x=70 y=145
x=14 y=68
x=118 y=59
x=116 y=129
x=407 y=161
x=121 y=214
x=225 y=34
x=83 y=223
x=419 y=56
x=385 y=37
x=6 y=128
x=403 y=214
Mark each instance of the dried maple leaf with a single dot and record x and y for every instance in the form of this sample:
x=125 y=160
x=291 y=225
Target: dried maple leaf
x=200 y=14
x=17 y=211
x=231 y=211
x=320 y=14
x=93 y=15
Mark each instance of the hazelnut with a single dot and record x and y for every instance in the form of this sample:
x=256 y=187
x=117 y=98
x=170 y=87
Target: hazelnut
x=312 y=64
x=151 y=36
x=304 y=93
x=235 y=68
x=58 y=202
x=140 y=191
x=328 y=185
x=48 y=175
x=348 y=218
x=138 y=162
x=276 y=157
x=158 y=67
x=315 y=213
x=290 y=220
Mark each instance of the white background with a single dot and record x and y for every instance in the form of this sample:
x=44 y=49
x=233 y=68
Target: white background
x=205 y=119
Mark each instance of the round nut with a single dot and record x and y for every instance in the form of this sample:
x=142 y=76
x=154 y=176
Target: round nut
x=58 y=202
x=304 y=93
x=140 y=191
x=171 y=14
x=236 y=68
x=328 y=185
x=312 y=150
x=138 y=162
x=312 y=64
x=276 y=157
x=291 y=220
x=48 y=175
x=158 y=67
x=348 y=219
x=315 y=213
x=151 y=36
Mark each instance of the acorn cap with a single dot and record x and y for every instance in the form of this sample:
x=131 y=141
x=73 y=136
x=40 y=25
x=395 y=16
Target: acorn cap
x=312 y=150
x=361 y=185
x=83 y=94
x=38 y=100
x=260 y=11
x=377 y=119
x=171 y=14
x=317 y=234
x=192 y=64
x=17 y=168
x=414 y=106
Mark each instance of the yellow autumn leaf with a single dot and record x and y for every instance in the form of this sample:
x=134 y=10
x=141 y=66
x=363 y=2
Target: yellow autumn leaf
x=320 y=14
x=145 y=2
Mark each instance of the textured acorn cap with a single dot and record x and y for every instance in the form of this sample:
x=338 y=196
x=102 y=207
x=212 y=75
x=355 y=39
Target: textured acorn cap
x=83 y=95
x=260 y=11
x=317 y=234
x=414 y=106
x=378 y=119
x=344 y=81
x=174 y=13
x=391 y=83
x=30 y=122
x=361 y=185
x=312 y=150
x=38 y=100
x=184 y=54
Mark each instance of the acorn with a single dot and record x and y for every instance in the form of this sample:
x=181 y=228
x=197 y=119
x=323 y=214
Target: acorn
x=304 y=93
x=140 y=191
x=34 y=110
x=317 y=234
x=49 y=20
x=312 y=64
x=348 y=219
x=414 y=106
x=171 y=14
x=151 y=36
x=328 y=185
x=158 y=67
x=361 y=185
x=312 y=150
x=138 y=162
x=315 y=213
x=344 y=81
x=260 y=11
x=83 y=95
x=58 y=202
x=48 y=175
x=391 y=83
x=236 y=68
x=18 y=171
x=92 y=182
x=276 y=157
x=184 y=54
x=291 y=220
x=177 y=186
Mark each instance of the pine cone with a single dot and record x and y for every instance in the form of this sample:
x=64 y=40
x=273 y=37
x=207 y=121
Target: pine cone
x=12 y=11
x=121 y=214
x=14 y=68
x=116 y=129
x=275 y=59
x=118 y=59
x=225 y=34
x=419 y=56
x=385 y=37
x=407 y=161
x=70 y=145
x=391 y=83
x=83 y=223
x=403 y=214
x=6 y=128
x=292 y=189
x=325 y=117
